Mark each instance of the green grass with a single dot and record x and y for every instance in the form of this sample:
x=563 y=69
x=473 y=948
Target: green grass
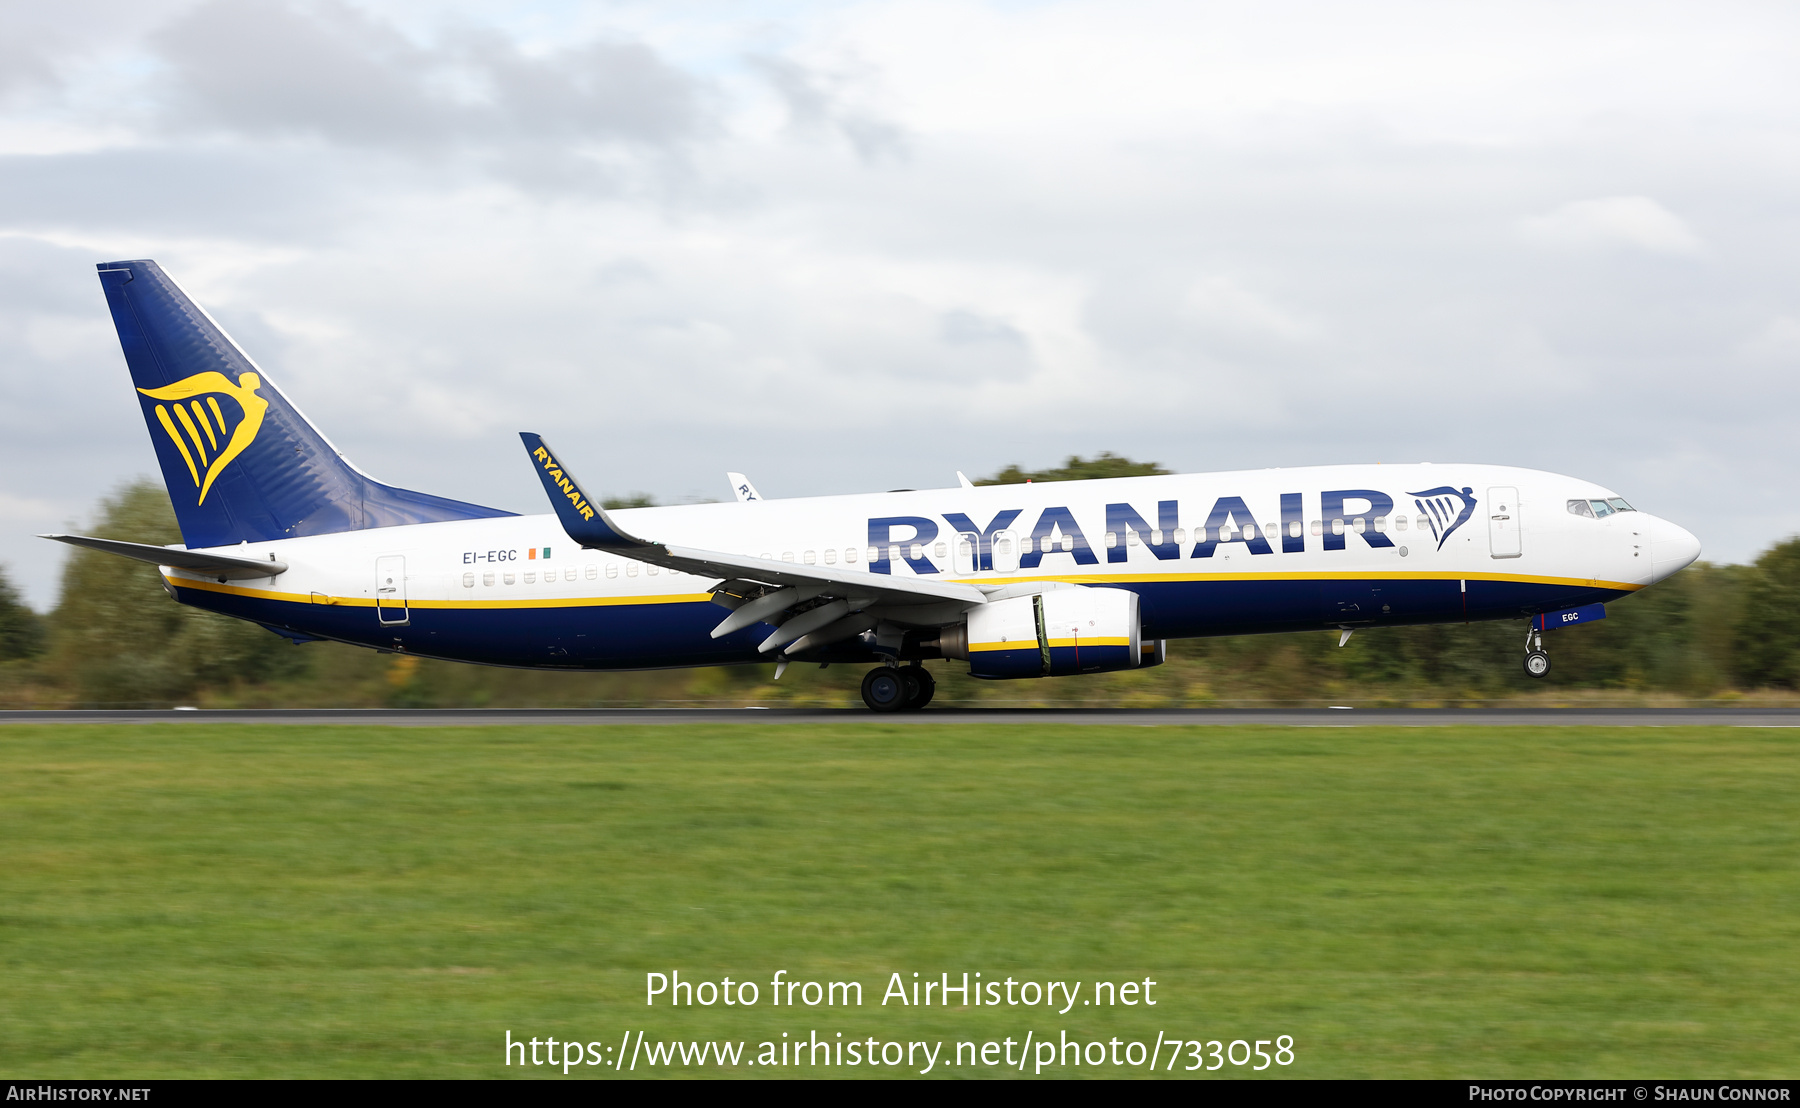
x=343 y=901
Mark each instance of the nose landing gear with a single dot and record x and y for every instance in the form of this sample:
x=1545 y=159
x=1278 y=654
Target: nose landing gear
x=898 y=688
x=1537 y=662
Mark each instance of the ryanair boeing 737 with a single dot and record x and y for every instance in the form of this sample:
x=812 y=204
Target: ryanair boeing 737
x=1014 y=581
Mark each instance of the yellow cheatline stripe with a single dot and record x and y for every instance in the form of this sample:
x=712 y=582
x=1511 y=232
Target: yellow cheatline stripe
x=1023 y=644
x=369 y=602
x=162 y=414
x=205 y=424
x=1078 y=643
x=199 y=448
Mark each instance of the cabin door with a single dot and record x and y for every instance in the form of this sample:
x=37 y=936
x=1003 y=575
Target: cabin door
x=390 y=590
x=1503 y=521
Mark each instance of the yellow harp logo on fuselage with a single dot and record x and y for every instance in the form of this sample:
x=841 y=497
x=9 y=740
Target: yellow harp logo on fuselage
x=199 y=430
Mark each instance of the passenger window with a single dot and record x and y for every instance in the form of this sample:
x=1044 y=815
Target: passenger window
x=1270 y=529
x=1318 y=527
x=530 y=577
x=1337 y=526
x=1295 y=527
x=850 y=555
x=830 y=556
x=593 y=572
x=487 y=580
x=1131 y=539
x=1380 y=524
x=810 y=558
x=1180 y=535
x=874 y=553
x=1581 y=508
x=652 y=570
x=631 y=569
x=940 y=550
x=1156 y=537
x=468 y=580
x=1399 y=523
x=1112 y=540
x=569 y=574
x=1422 y=523
x=1359 y=524
x=508 y=578
x=612 y=569
x=787 y=555
x=1068 y=543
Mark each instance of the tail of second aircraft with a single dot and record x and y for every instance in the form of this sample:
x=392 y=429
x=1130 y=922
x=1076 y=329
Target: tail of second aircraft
x=240 y=462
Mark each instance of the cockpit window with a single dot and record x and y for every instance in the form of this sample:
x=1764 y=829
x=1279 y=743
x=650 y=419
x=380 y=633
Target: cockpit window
x=1601 y=508
x=1581 y=508
x=1618 y=505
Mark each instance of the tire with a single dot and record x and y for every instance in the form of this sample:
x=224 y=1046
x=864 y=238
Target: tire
x=887 y=689
x=1537 y=664
x=925 y=684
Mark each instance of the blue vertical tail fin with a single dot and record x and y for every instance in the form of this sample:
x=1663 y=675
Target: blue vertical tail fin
x=240 y=462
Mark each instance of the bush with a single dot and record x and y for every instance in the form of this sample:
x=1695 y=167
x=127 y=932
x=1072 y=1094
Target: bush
x=21 y=629
x=119 y=639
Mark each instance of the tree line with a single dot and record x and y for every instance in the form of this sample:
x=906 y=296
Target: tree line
x=115 y=638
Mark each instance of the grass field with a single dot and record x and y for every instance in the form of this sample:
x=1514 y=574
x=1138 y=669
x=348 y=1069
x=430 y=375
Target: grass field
x=342 y=901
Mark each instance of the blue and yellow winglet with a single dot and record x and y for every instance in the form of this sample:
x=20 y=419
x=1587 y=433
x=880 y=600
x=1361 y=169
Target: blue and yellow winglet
x=583 y=519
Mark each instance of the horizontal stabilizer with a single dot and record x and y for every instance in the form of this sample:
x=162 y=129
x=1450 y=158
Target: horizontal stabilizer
x=225 y=567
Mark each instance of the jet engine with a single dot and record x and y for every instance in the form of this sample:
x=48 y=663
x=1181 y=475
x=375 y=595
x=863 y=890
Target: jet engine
x=1051 y=634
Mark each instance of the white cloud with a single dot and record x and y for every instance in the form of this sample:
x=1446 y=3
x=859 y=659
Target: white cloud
x=1631 y=222
x=1776 y=341
x=1221 y=303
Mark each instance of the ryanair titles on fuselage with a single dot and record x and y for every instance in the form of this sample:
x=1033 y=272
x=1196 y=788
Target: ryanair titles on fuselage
x=1343 y=512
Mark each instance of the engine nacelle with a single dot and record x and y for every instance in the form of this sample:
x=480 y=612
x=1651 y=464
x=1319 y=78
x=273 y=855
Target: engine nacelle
x=1052 y=634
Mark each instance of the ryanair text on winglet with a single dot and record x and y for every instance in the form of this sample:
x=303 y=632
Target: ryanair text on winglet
x=554 y=468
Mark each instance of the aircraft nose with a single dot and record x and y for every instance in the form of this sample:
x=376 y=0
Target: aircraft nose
x=1672 y=547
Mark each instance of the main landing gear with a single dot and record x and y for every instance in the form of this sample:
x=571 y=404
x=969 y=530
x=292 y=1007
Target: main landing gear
x=1537 y=663
x=898 y=688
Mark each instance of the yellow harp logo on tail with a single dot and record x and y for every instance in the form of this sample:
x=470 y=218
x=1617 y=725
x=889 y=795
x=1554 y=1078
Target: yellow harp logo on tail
x=198 y=425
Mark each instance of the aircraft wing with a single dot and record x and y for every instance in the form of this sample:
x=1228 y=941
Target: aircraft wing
x=222 y=566
x=587 y=523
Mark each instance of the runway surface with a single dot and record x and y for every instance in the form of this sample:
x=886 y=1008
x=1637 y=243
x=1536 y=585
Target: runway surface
x=1141 y=717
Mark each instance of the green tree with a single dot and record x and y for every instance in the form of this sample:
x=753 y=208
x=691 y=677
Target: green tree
x=634 y=500
x=21 y=629
x=1107 y=464
x=1768 y=638
x=118 y=638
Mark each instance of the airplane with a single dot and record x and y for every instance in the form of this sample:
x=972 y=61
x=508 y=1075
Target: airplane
x=1013 y=581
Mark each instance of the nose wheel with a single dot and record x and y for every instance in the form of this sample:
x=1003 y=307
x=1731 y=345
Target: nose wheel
x=1537 y=662
x=898 y=688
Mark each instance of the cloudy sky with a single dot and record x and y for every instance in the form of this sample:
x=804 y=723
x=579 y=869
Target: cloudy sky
x=859 y=246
